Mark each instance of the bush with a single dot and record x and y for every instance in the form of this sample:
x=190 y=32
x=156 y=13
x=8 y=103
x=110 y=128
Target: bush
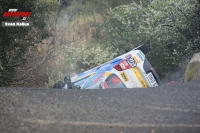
x=14 y=42
x=170 y=28
x=82 y=58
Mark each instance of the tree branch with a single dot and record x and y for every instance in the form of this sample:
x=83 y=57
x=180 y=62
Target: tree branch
x=182 y=13
x=167 y=25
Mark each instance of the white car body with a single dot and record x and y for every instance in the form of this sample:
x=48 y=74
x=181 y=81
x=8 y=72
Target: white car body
x=132 y=68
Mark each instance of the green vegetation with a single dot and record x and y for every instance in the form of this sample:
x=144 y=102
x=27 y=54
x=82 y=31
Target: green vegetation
x=15 y=41
x=169 y=27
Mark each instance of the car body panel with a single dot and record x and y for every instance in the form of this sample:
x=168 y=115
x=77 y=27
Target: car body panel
x=135 y=72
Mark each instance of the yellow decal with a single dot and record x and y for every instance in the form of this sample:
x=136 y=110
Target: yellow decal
x=124 y=76
x=106 y=74
x=139 y=77
x=136 y=59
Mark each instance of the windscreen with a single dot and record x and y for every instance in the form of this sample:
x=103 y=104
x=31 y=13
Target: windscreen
x=81 y=81
x=94 y=81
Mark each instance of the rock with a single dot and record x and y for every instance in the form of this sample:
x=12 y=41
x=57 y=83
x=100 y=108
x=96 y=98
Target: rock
x=193 y=69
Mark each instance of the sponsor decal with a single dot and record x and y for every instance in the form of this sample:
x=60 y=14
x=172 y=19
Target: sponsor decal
x=128 y=55
x=106 y=74
x=141 y=56
x=124 y=77
x=122 y=65
x=139 y=77
x=116 y=80
x=98 y=78
x=132 y=81
x=125 y=63
x=142 y=59
x=131 y=61
x=136 y=59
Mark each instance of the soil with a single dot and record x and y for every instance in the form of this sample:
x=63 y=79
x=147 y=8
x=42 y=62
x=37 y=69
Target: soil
x=165 y=109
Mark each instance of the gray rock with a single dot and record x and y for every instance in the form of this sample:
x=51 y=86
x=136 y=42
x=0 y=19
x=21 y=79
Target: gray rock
x=193 y=69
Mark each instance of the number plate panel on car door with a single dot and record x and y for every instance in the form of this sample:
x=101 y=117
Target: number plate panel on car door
x=152 y=80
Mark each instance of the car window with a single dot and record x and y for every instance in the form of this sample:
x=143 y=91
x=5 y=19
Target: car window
x=113 y=81
x=94 y=80
x=81 y=81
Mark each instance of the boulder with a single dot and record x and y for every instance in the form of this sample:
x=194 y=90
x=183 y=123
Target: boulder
x=193 y=69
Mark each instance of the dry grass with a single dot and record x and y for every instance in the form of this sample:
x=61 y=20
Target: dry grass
x=79 y=26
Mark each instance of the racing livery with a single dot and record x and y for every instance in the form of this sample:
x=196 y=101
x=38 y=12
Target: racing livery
x=130 y=70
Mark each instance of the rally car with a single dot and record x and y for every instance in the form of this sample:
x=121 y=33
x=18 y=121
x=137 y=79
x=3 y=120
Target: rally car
x=130 y=70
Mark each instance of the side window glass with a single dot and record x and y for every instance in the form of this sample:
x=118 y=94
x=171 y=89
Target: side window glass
x=95 y=79
x=81 y=82
x=113 y=81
